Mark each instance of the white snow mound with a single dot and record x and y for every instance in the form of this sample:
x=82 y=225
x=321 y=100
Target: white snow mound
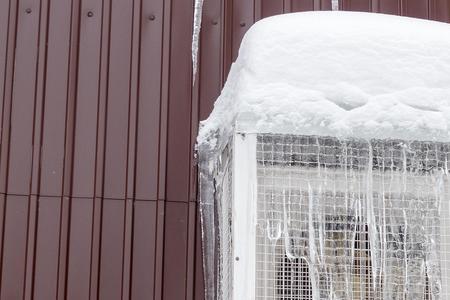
x=338 y=74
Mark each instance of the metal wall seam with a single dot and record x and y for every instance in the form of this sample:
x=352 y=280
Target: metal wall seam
x=415 y=8
x=6 y=108
x=149 y=100
x=4 y=31
x=23 y=101
x=14 y=248
x=243 y=17
x=100 y=155
x=72 y=83
x=36 y=148
x=118 y=100
x=180 y=103
x=132 y=145
x=190 y=253
x=51 y=170
x=143 y=258
x=30 y=257
x=165 y=93
x=356 y=5
x=79 y=249
x=45 y=283
x=87 y=98
x=389 y=7
x=440 y=10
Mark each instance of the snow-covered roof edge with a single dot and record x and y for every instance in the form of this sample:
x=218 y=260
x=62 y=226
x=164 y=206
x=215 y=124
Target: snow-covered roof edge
x=316 y=73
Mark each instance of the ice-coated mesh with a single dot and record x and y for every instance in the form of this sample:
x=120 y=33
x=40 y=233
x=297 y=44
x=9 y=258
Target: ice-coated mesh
x=351 y=219
x=216 y=192
x=224 y=194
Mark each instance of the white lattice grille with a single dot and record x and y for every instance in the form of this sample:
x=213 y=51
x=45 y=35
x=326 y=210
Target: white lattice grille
x=351 y=219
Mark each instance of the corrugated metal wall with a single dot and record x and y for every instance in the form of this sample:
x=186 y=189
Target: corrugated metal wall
x=98 y=117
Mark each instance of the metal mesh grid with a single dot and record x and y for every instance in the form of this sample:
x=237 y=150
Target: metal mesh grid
x=223 y=187
x=351 y=219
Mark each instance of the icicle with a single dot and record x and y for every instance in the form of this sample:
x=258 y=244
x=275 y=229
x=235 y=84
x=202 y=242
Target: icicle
x=371 y=221
x=286 y=224
x=196 y=36
x=274 y=229
x=313 y=267
x=334 y=5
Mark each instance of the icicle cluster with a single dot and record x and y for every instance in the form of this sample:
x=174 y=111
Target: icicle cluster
x=351 y=219
x=335 y=219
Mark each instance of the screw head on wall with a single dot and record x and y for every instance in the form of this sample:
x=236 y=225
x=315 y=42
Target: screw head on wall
x=28 y=10
x=90 y=14
x=242 y=24
x=152 y=17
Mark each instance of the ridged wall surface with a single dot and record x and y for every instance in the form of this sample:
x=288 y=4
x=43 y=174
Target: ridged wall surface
x=98 y=122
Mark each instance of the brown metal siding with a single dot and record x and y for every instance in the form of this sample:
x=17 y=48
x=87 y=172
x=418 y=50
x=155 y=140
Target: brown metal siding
x=99 y=118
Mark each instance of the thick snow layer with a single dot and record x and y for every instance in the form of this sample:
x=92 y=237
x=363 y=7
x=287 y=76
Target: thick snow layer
x=338 y=74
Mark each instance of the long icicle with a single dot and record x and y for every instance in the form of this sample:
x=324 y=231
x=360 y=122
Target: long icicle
x=196 y=36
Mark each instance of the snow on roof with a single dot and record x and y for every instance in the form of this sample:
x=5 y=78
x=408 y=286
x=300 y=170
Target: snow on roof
x=338 y=74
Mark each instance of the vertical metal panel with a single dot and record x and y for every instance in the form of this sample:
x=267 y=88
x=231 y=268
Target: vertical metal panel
x=415 y=8
x=271 y=7
x=211 y=57
x=85 y=131
x=14 y=248
x=95 y=248
x=149 y=106
x=118 y=99
x=38 y=111
x=111 y=255
x=324 y=5
x=47 y=248
x=159 y=251
x=388 y=7
x=440 y=10
x=2 y=232
x=55 y=101
x=306 y=5
x=100 y=155
x=144 y=250
x=30 y=258
x=63 y=257
x=23 y=99
x=190 y=251
x=179 y=110
x=357 y=5
x=302 y=5
x=175 y=251
x=6 y=97
x=227 y=48
x=79 y=252
x=242 y=18
x=4 y=22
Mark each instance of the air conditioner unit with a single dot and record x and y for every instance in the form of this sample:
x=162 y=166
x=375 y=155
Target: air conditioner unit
x=324 y=164
x=317 y=217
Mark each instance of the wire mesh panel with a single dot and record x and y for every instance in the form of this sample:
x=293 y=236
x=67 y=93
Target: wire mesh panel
x=216 y=195
x=224 y=192
x=351 y=219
